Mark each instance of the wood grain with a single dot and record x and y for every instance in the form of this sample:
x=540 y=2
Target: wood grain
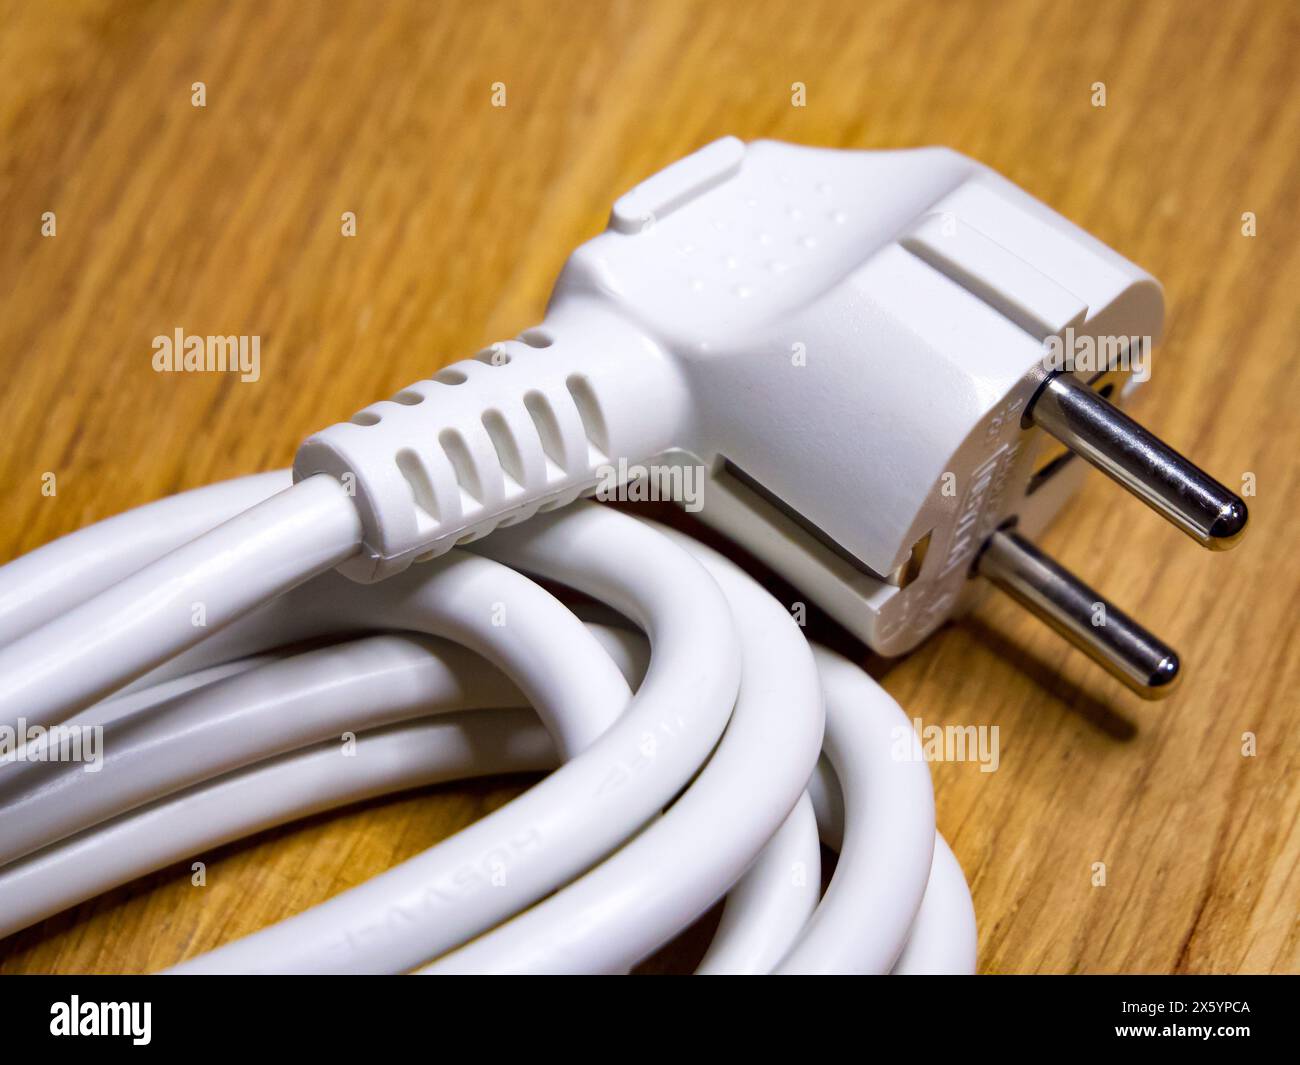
x=226 y=219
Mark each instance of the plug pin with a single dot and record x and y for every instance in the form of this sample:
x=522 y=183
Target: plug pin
x=1092 y=427
x=1095 y=626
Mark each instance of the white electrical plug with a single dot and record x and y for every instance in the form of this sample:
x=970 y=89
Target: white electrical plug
x=854 y=345
x=881 y=363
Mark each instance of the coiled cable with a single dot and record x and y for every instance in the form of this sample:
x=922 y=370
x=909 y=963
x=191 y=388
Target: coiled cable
x=679 y=743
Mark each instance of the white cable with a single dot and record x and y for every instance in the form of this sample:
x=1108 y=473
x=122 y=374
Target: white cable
x=257 y=708
x=54 y=578
x=577 y=814
x=100 y=645
x=943 y=937
x=264 y=795
x=769 y=906
x=136 y=697
x=239 y=720
x=318 y=607
x=678 y=867
x=862 y=922
x=430 y=676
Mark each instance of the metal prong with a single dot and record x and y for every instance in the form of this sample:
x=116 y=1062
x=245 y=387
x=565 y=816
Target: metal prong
x=1092 y=624
x=1100 y=432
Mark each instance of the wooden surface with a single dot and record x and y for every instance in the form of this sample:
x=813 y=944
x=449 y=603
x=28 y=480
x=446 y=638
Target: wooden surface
x=226 y=219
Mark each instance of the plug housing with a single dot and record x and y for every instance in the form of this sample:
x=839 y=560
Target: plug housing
x=860 y=334
x=847 y=341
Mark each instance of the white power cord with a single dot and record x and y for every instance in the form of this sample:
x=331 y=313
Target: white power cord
x=848 y=348
x=224 y=750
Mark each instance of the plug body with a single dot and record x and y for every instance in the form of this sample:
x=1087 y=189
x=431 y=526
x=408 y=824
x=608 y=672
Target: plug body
x=860 y=335
x=849 y=343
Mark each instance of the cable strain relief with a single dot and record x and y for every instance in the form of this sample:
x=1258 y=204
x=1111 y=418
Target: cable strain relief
x=527 y=425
